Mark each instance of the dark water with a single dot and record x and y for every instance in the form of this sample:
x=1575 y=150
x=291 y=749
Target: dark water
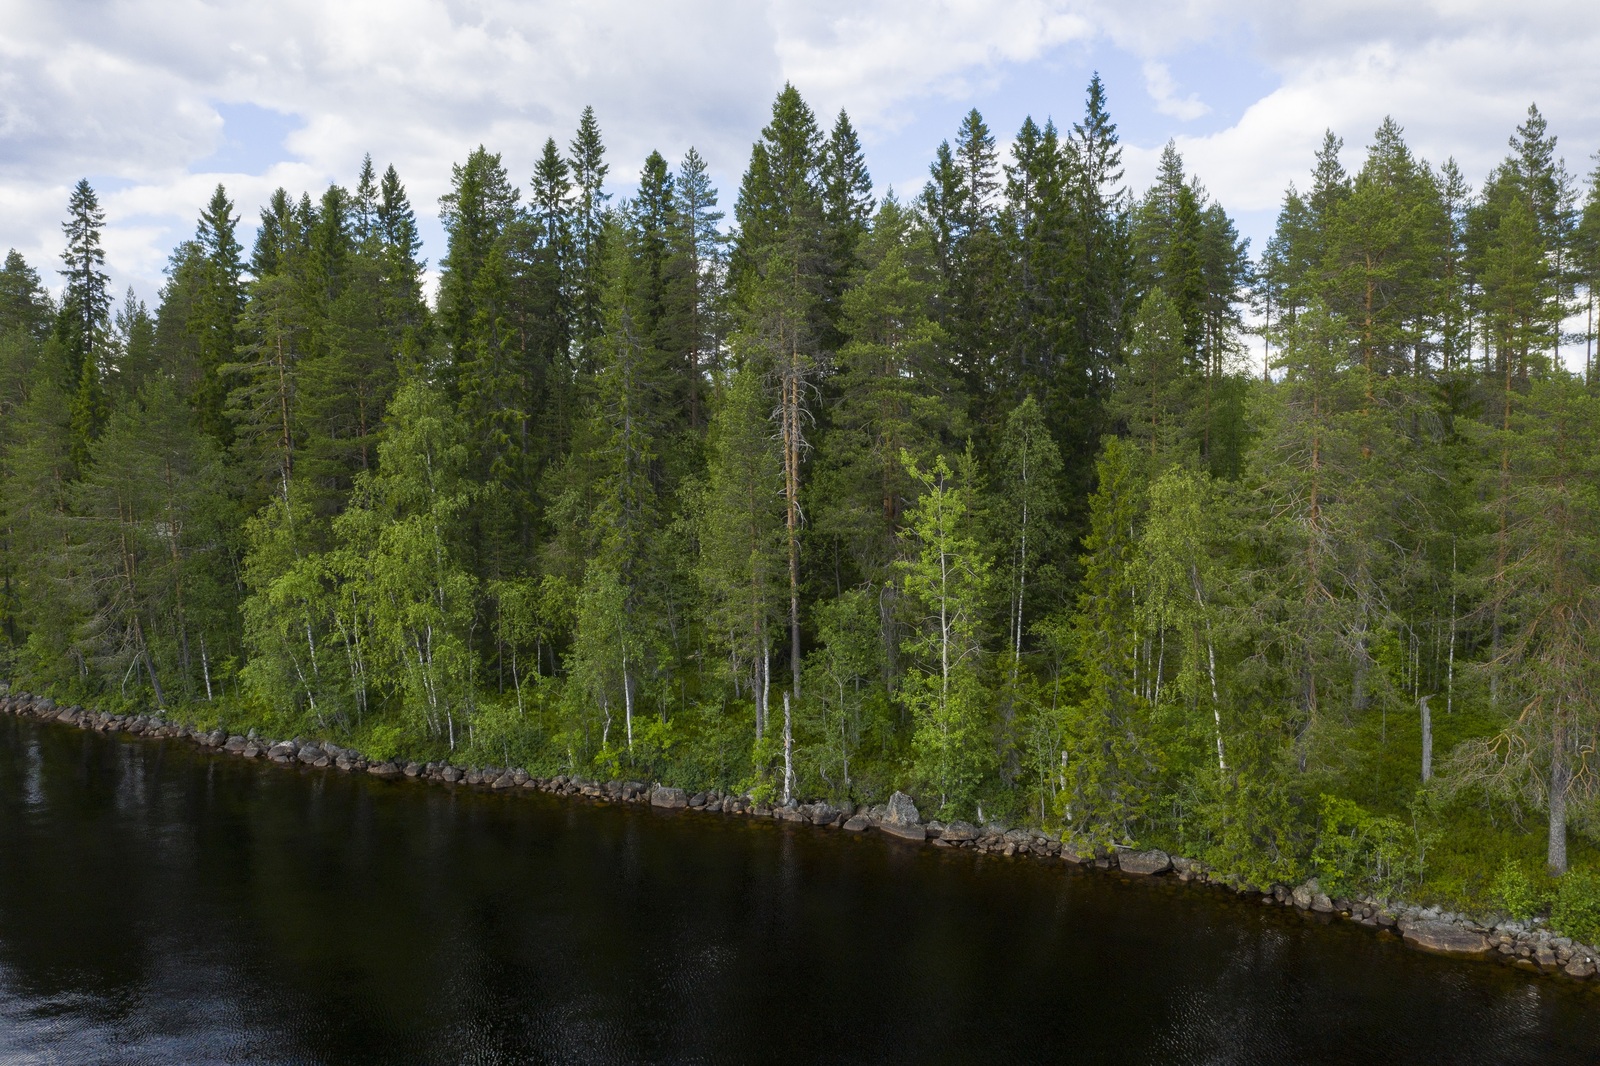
x=160 y=906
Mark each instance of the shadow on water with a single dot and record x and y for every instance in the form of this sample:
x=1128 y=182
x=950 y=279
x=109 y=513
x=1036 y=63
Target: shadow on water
x=158 y=905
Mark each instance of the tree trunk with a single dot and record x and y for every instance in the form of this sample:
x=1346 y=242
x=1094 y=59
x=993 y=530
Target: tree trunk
x=1427 y=739
x=1560 y=779
x=788 y=752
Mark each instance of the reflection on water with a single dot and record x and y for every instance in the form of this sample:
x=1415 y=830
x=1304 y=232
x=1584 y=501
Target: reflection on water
x=162 y=906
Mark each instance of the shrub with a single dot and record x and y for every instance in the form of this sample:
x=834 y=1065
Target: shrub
x=1513 y=891
x=1357 y=850
x=1576 y=910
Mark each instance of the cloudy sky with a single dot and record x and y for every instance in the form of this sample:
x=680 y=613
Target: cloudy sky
x=156 y=101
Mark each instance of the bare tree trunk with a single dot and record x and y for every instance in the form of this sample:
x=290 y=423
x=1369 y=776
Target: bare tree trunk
x=788 y=752
x=1560 y=779
x=1427 y=739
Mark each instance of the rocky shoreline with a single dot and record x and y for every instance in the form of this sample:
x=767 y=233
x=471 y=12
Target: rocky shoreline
x=1525 y=945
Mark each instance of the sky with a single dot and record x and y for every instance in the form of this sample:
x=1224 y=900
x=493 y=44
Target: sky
x=157 y=101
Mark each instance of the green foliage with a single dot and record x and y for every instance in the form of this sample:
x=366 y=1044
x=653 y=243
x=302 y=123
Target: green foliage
x=1514 y=891
x=1359 y=853
x=633 y=482
x=948 y=578
x=1575 y=910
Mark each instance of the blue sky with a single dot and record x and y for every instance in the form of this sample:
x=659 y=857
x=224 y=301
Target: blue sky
x=156 y=101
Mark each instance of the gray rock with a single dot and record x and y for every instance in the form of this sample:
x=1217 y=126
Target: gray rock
x=858 y=823
x=901 y=811
x=823 y=813
x=904 y=832
x=1445 y=938
x=959 y=832
x=1580 y=966
x=505 y=780
x=1310 y=897
x=1154 y=861
x=668 y=797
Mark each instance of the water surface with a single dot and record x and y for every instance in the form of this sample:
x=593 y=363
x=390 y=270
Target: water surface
x=158 y=905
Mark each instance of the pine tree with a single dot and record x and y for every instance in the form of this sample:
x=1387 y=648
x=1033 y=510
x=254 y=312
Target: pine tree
x=24 y=304
x=892 y=399
x=1546 y=593
x=779 y=278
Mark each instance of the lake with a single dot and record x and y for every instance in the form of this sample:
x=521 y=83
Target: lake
x=161 y=905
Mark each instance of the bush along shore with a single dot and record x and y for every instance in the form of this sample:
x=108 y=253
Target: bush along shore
x=1526 y=945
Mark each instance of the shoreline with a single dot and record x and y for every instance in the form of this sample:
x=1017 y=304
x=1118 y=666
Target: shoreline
x=1526 y=946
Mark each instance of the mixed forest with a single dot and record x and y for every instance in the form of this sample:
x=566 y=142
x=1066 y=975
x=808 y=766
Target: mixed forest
x=1036 y=496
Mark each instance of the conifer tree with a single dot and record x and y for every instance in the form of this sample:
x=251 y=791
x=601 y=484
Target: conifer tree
x=740 y=532
x=85 y=315
x=1546 y=593
x=213 y=316
x=588 y=168
x=24 y=304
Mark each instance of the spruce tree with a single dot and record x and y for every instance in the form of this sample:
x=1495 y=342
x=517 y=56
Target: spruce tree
x=589 y=170
x=85 y=316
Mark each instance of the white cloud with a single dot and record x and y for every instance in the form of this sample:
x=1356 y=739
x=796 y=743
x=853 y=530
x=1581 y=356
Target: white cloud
x=1164 y=93
x=1458 y=77
x=129 y=93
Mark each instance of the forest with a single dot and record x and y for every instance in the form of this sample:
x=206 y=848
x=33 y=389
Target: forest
x=1041 y=498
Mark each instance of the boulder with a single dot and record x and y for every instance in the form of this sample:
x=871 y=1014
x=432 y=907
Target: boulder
x=858 y=823
x=901 y=811
x=668 y=797
x=1446 y=938
x=1154 y=861
x=505 y=780
x=1580 y=966
x=958 y=832
x=1310 y=897
x=823 y=813
x=913 y=831
x=384 y=769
